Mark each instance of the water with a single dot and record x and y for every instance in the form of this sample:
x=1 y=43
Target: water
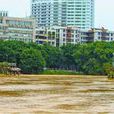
x=56 y=95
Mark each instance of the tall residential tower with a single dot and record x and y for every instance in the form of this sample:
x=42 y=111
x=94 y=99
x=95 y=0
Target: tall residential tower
x=79 y=13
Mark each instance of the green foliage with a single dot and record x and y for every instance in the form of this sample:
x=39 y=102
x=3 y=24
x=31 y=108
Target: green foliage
x=59 y=72
x=4 y=67
x=28 y=58
x=107 y=68
x=52 y=56
x=91 y=58
x=68 y=61
x=31 y=61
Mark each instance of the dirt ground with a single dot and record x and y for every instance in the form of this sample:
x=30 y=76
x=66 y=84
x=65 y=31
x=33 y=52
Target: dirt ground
x=44 y=94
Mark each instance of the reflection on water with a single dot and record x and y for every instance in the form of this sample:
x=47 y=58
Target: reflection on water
x=56 y=95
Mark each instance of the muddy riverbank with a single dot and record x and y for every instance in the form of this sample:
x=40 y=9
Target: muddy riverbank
x=56 y=95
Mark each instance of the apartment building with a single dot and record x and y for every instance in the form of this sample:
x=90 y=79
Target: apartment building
x=79 y=13
x=44 y=36
x=21 y=29
x=97 y=34
x=69 y=35
x=58 y=36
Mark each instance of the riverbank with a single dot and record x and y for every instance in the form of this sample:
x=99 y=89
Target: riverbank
x=53 y=94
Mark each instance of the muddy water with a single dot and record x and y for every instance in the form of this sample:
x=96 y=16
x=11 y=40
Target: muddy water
x=56 y=95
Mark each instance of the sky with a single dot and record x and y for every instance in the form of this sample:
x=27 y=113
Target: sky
x=104 y=11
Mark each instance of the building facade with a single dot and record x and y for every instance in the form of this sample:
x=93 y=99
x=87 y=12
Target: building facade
x=21 y=29
x=3 y=13
x=79 y=13
x=97 y=34
x=103 y=35
x=58 y=36
x=44 y=36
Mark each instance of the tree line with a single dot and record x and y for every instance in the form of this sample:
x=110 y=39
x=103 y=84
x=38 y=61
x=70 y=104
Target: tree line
x=90 y=58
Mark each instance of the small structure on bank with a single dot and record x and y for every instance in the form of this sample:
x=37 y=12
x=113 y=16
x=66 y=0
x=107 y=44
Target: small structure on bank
x=13 y=69
x=9 y=68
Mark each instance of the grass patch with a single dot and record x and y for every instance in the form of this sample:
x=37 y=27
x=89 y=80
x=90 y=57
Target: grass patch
x=60 y=72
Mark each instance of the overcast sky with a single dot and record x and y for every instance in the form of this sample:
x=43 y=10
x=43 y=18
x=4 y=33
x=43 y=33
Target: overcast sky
x=104 y=11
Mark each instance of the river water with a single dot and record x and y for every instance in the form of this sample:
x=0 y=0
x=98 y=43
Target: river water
x=56 y=95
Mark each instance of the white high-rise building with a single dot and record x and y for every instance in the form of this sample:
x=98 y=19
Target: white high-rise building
x=79 y=13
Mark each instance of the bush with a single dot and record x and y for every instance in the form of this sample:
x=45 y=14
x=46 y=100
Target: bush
x=4 y=67
x=60 y=72
x=31 y=61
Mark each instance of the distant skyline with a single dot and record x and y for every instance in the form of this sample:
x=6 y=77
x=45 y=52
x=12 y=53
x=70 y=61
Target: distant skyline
x=104 y=15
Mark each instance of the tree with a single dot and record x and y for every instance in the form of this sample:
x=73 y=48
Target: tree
x=68 y=61
x=52 y=56
x=4 y=67
x=90 y=58
x=31 y=61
